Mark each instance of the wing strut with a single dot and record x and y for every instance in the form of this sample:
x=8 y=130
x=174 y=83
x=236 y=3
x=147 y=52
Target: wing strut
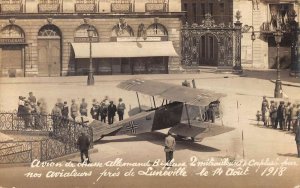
x=163 y=102
x=137 y=95
x=154 y=101
x=187 y=113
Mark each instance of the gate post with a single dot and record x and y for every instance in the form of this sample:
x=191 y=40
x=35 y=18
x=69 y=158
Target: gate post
x=238 y=36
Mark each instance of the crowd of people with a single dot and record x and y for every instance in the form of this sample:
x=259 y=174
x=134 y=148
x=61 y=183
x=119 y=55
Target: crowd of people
x=105 y=111
x=30 y=108
x=285 y=115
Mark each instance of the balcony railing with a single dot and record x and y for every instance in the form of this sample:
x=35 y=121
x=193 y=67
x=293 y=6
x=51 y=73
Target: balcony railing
x=48 y=8
x=121 y=7
x=156 y=7
x=7 y=8
x=85 y=7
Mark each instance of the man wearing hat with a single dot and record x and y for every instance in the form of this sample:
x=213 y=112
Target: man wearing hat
x=74 y=109
x=120 y=109
x=56 y=115
x=111 y=112
x=83 y=143
x=169 y=148
x=297 y=139
x=95 y=111
x=65 y=110
x=280 y=115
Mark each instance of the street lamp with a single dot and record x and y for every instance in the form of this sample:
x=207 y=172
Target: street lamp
x=278 y=89
x=90 y=80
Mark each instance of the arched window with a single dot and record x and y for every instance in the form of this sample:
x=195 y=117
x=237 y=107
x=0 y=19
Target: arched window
x=12 y=31
x=49 y=31
x=81 y=34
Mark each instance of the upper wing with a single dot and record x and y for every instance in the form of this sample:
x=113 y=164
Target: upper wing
x=198 y=97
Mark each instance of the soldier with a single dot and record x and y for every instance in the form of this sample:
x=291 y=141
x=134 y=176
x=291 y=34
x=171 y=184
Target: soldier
x=273 y=114
x=264 y=110
x=83 y=107
x=169 y=148
x=60 y=103
x=83 y=143
x=65 y=110
x=27 y=115
x=211 y=113
x=38 y=122
x=297 y=139
x=287 y=122
x=74 y=109
x=111 y=112
x=120 y=109
x=293 y=114
x=280 y=115
x=56 y=116
x=31 y=98
x=103 y=112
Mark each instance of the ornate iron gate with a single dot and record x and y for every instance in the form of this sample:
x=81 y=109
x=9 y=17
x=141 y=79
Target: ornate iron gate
x=228 y=40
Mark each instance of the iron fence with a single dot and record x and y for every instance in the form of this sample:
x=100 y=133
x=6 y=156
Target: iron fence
x=62 y=140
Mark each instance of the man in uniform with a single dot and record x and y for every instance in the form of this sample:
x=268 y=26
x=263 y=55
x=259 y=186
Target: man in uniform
x=287 y=123
x=60 y=103
x=111 y=112
x=31 y=98
x=83 y=107
x=297 y=139
x=74 y=109
x=65 y=110
x=280 y=115
x=264 y=110
x=120 y=109
x=56 y=116
x=169 y=148
x=83 y=143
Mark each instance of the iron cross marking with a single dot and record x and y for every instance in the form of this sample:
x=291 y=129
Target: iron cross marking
x=132 y=127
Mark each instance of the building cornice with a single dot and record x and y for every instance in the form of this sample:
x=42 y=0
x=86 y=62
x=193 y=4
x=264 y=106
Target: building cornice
x=92 y=15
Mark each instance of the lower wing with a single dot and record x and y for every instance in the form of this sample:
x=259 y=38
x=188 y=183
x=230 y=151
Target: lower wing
x=199 y=131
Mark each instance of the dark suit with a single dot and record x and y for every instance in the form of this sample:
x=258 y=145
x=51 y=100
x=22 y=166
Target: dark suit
x=297 y=139
x=111 y=112
x=83 y=143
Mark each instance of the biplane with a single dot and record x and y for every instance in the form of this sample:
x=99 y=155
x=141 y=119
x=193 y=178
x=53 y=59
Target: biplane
x=179 y=108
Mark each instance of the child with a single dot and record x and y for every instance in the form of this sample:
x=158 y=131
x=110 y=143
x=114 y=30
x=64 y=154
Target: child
x=258 y=116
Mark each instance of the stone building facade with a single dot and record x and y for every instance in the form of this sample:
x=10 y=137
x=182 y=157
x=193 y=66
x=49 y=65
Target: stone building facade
x=261 y=18
x=50 y=38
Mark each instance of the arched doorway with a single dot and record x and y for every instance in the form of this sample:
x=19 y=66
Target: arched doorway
x=208 y=50
x=49 y=51
x=12 y=47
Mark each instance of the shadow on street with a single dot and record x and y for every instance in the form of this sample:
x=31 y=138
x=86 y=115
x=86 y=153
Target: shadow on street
x=159 y=139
